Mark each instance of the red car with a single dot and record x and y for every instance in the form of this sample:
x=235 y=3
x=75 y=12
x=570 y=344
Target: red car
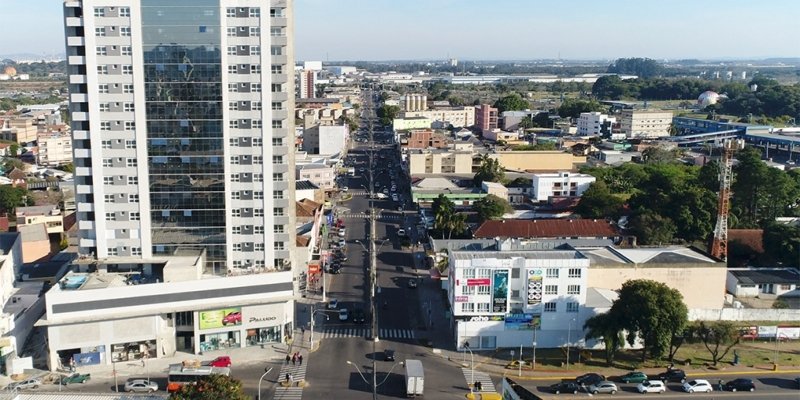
x=222 y=361
x=233 y=318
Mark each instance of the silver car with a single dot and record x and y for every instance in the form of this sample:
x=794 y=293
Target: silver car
x=603 y=387
x=32 y=383
x=141 y=385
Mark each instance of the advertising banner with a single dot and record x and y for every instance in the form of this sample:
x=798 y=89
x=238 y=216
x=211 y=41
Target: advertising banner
x=534 y=286
x=479 y=282
x=522 y=322
x=788 y=332
x=462 y=299
x=500 y=291
x=83 y=359
x=767 y=331
x=220 y=318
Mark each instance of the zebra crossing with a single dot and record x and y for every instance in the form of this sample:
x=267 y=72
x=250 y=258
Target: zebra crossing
x=341 y=333
x=357 y=192
x=486 y=382
x=293 y=392
x=384 y=217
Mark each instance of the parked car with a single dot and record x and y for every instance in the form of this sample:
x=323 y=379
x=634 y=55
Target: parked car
x=342 y=232
x=75 y=378
x=388 y=355
x=345 y=188
x=673 y=375
x=633 y=377
x=412 y=283
x=603 y=387
x=344 y=315
x=342 y=243
x=697 y=385
x=565 y=387
x=141 y=385
x=738 y=384
x=32 y=383
x=401 y=232
x=333 y=304
x=221 y=361
x=651 y=387
x=233 y=318
x=359 y=316
x=589 y=379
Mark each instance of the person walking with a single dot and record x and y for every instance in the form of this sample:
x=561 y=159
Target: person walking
x=288 y=359
x=294 y=359
x=300 y=358
x=302 y=330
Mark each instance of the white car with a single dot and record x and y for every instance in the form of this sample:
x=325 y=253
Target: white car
x=343 y=314
x=342 y=232
x=697 y=385
x=345 y=188
x=401 y=232
x=651 y=387
x=333 y=304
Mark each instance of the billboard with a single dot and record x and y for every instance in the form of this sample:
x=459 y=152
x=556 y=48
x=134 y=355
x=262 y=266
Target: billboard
x=479 y=282
x=500 y=291
x=522 y=322
x=220 y=318
x=534 y=287
x=462 y=299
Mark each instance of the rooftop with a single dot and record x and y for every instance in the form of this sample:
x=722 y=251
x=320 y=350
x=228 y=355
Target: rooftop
x=37 y=210
x=531 y=255
x=305 y=185
x=785 y=276
x=546 y=228
x=33 y=233
x=611 y=256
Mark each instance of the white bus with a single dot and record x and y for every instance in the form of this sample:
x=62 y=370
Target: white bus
x=180 y=375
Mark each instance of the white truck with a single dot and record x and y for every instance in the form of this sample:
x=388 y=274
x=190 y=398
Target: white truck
x=415 y=378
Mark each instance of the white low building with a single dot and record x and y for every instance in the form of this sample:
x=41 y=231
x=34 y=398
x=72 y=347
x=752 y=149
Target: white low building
x=561 y=184
x=499 y=297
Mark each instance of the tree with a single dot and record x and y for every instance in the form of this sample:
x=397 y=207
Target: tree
x=13 y=150
x=68 y=167
x=642 y=67
x=651 y=228
x=212 y=387
x=597 y=202
x=491 y=207
x=650 y=311
x=718 y=337
x=545 y=146
x=573 y=108
x=446 y=218
x=605 y=328
x=13 y=197
x=782 y=244
x=658 y=155
x=490 y=170
x=387 y=113
x=512 y=102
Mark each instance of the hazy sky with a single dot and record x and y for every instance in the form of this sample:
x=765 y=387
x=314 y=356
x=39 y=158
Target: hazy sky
x=496 y=29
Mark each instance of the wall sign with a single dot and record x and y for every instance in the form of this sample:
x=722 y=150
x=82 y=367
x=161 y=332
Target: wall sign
x=534 y=286
x=500 y=291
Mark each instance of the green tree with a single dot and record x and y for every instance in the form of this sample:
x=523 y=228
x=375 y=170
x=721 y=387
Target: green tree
x=605 y=328
x=491 y=207
x=749 y=186
x=708 y=176
x=13 y=197
x=527 y=122
x=68 y=167
x=782 y=244
x=642 y=67
x=444 y=213
x=387 y=113
x=13 y=150
x=545 y=146
x=659 y=155
x=512 y=102
x=573 y=108
x=212 y=387
x=650 y=311
x=651 y=228
x=598 y=202
x=490 y=170
x=718 y=337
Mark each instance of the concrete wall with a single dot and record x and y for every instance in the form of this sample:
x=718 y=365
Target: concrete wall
x=701 y=287
x=537 y=160
x=743 y=314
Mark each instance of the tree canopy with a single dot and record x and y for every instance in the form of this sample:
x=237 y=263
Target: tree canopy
x=644 y=67
x=490 y=170
x=491 y=207
x=13 y=197
x=782 y=244
x=598 y=202
x=573 y=108
x=511 y=102
x=387 y=113
x=446 y=219
x=212 y=387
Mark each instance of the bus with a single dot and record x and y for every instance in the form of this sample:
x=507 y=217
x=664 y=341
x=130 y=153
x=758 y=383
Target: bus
x=180 y=375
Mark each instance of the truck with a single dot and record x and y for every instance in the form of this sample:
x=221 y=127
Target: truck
x=415 y=378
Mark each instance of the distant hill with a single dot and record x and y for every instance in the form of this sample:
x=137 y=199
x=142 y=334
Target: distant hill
x=23 y=57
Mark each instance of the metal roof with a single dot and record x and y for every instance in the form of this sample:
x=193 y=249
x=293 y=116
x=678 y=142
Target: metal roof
x=787 y=276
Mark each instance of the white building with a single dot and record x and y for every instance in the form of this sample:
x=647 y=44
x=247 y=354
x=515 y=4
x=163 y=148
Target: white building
x=312 y=65
x=340 y=70
x=498 y=297
x=592 y=123
x=560 y=184
x=181 y=145
x=55 y=148
x=326 y=139
x=645 y=123
x=321 y=175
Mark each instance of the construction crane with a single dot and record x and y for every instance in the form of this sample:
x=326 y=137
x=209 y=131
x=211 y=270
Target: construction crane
x=719 y=245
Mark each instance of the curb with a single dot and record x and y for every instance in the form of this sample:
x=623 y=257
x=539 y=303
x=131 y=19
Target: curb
x=551 y=377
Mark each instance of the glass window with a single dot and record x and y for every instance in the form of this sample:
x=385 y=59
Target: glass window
x=125 y=31
x=277 y=211
x=574 y=273
x=99 y=12
x=101 y=31
x=572 y=307
x=469 y=273
x=259 y=336
x=483 y=307
x=127 y=50
x=230 y=12
x=277 y=105
x=255 y=50
x=550 y=289
x=552 y=272
x=219 y=341
x=276 y=50
x=255 y=12
x=124 y=11
x=574 y=289
x=484 y=289
x=467 y=290
x=550 y=307
x=467 y=307
x=100 y=51
x=255 y=31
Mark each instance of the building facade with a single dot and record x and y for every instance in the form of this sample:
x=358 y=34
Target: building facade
x=326 y=139
x=182 y=128
x=422 y=161
x=423 y=139
x=321 y=175
x=566 y=184
x=55 y=148
x=485 y=117
x=21 y=130
x=307 y=84
x=594 y=123
x=645 y=123
x=459 y=117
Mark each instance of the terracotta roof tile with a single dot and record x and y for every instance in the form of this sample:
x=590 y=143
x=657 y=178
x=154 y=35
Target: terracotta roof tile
x=546 y=228
x=302 y=241
x=752 y=238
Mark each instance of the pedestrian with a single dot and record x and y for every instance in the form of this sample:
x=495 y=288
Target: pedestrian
x=71 y=365
x=302 y=330
x=288 y=378
x=294 y=359
x=300 y=358
x=287 y=359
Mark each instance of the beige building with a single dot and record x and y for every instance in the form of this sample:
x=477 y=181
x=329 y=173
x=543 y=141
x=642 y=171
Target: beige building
x=457 y=116
x=415 y=102
x=645 y=123
x=50 y=216
x=320 y=175
x=537 y=161
x=35 y=242
x=699 y=278
x=435 y=161
x=19 y=129
x=55 y=148
x=406 y=123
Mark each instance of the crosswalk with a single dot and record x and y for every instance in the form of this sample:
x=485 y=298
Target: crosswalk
x=341 y=333
x=383 y=217
x=486 y=382
x=298 y=373
x=357 y=192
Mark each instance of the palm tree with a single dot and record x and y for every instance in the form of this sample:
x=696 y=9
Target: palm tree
x=458 y=223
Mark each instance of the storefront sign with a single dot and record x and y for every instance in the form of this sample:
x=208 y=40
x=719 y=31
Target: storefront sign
x=462 y=299
x=313 y=268
x=220 y=318
x=534 y=286
x=500 y=291
x=263 y=315
x=261 y=319
x=522 y=322
x=481 y=318
x=83 y=359
x=479 y=282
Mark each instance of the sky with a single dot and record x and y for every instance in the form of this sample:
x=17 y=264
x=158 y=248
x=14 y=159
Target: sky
x=493 y=30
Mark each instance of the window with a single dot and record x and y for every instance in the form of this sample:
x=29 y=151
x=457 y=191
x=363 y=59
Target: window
x=574 y=273
x=235 y=160
x=258 y=247
x=277 y=88
x=109 y=198
x=279 y=246
x=105 y=126
x=277 y=124
x=467 y=307
x=256 y=124
x=277 y=177
x=234 y=177
x=258 y=142
x=128 y=107
x=130 y=125
x=258 y=177
x=124 y=11
x=255 y=106
x=255 y=31
x=552 y=272
x=133 y=180
x=484 y=289
x=483 y=307
x=258 y=212
x=276 y=31
x=255 y=69
x=125 y=31
x=231 y=51
x=550 y=307
x=233 y=124
x=278 y=229
x=572 y=307
x=277 y=194
x=127 y=69
x=127 y=89
x=467 y=290
x=233 y=106
x=113 y=251
x=127 y=50
x=130 y=144
x=276 y=12
x=236 y=230
x=484 y=273
x=573 y=289
x=110 y=216
x=236 y=195
x=105 y=107
x=133 y=198
x=102 y=88
x=102 y=69
x=232 y=31
x=550 y=289
x=276 y=50
x=136 y=251
x=108 y=180
x=258 y=160
x=233 y=88
x=258 y=195
x=277 y=105
x=232 y=69
x=106 y=144
x=255 y=50
x=255 y=12
x=277 y=69
x=785 y=287
x=100 y=32
x=107 y=162
x=255 y=88
x=132 y=162
x=469 y=273
x=100 y=51
x=236 y=212
x=230 y=12
x=99 y=12
x=277 y=159
x=277 y=211
x=135 y=216
x=277 y=141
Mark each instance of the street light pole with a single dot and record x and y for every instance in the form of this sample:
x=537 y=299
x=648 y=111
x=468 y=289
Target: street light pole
x=266 y=371
x=472 y=365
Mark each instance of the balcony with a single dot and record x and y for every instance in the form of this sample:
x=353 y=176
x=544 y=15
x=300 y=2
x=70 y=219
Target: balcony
x=76 y=41
x=82 y=153
x=79 y=98
x=80 y=116
x=74 y=21
x=76 y=60
x=86 y=225
x=77 y=79
x=84 y=189
x=83 y=171
x=85 y=207
x=87 y=243
x=279 y=21
x=80 y=135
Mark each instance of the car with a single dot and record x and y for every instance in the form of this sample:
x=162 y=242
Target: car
x=673 y=375
x=221 y=361
x=32 y=383
x=400 y=207
x=233 y=318
x=335 y=270
x=565 y=387
x=739 y=384
x=344 y=315
x=697 y=385
x=603 y=387
x=388 y=355
x=797 y=382
x=412 y=283
x=75 y=378
x=141 y=385
x=394 y=197
x=386 y=191
x=342 y=232
x=341 y=257
x=345 y=188
x=633 y=377
x=401 y=232
x=589 y=379
x=358 y=316
x=342 y=243
x=333 y=304
x=651 y=387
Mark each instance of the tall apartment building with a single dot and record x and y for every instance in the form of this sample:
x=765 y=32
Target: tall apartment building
x=645 y=123
x=594 y=123
x=307 y=84
x=485 y=117
x=182 y=129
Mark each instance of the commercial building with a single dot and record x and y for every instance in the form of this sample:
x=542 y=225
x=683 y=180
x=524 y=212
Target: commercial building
x=439 y=161
x=423 y=139
x=548 y=229
x=649 y=124
x=321 y=175
x=55 y=149
x=594 y=124
x=459 y=117
x=426 y=190
x=485 y=117
x=763 y=282
x=183 y=134
x=537 y=161
x=405 y=123
x=50 y=216
x=21 y=130
x=566 y=184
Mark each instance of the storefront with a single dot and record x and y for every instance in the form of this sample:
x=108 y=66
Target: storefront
x=133 y=350
x=219 y=341
x=242 y=326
